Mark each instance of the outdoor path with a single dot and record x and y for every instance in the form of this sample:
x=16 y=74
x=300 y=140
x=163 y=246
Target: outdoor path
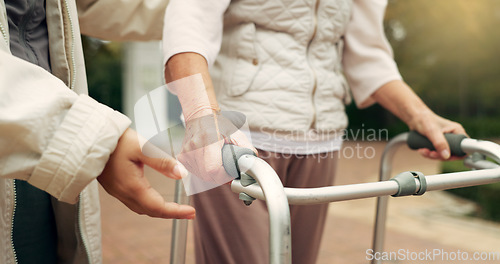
x=435 y=222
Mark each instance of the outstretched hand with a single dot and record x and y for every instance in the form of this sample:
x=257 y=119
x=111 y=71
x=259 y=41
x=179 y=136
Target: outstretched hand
x=123 y=177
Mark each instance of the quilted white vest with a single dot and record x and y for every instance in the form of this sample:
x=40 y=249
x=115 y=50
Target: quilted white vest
x=280 y=64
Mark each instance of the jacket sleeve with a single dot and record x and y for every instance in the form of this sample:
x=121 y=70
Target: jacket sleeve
x=368 y=59
x=49 y=136
x=122 y=20
x=194 y=26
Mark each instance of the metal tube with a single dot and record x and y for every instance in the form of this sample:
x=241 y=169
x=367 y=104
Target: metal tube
x=309 y=196
x=468 y=146
x=479 y=164
x=179 y=229
x=382 y=202
x=280 y=239
x=487 y=148
x=275 y=195
x=462 y=179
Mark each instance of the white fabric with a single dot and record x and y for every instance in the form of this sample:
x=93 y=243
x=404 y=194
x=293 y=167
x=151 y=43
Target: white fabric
x=272 y=59
x=122 y=20
x=367 y=61
x=280 y=144
x=280 y=64
x=51 y=133
x=57 y=140
x=194 y=26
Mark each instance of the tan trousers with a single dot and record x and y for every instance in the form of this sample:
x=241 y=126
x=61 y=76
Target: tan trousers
x=227 y=231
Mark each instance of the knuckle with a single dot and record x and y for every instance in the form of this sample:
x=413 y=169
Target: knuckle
x=165 y=164
x=441 y=145
x=155 y=211
x=212 y=170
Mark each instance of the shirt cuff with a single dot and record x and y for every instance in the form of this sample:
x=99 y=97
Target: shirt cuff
x=363 y=92
x=183 y=49
x=79 y=150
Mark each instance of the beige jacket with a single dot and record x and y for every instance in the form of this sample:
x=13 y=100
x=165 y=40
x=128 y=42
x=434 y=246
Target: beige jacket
x=51 y=133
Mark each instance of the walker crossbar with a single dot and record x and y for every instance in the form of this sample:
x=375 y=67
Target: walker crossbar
x=268 y=187
x=303 y=196
x=490 y=173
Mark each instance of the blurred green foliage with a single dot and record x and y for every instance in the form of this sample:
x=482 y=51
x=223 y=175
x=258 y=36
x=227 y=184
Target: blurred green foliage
x=104 y=71
x=447 y=51
x=486 y=196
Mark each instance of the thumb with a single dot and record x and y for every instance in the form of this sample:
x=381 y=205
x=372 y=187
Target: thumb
x=167 y=166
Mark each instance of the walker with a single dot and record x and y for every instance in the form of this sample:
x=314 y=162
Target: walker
x=257 y=180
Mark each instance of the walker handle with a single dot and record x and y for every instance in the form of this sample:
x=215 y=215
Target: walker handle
x=417 y=141
x=230 y=156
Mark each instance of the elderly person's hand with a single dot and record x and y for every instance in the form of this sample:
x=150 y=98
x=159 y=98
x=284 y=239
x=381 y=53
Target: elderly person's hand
x=201 y=153
x=206 y=129
x=434 y=127
x=399 y=98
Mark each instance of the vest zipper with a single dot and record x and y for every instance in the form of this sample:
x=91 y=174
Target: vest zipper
x=73 y=64
x=4 y=34
x=12 y=226
x=313 y=72
x=72 y=86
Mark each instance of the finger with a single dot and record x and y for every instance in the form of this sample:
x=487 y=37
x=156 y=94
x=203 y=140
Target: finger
x=424 y=152
x=166 y=165
x=459 y=130
x=211 y=161
x=249 y=146
x=434 y=155
x=239 y=139
x=152 y=204
x=212 y=156
x=454 y=127
x=429 y=154
x=194 y=162
x=440 y=144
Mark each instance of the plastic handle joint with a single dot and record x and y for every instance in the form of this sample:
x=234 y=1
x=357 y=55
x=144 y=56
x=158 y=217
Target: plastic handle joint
x=230 y=156
x=407 y=184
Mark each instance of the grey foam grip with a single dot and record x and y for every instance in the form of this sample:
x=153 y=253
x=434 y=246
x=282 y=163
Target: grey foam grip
x=230 y=156
x=407 y=184
x=417 y=141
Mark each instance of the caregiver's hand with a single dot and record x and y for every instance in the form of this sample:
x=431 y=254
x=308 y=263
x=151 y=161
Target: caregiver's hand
x=123 y=178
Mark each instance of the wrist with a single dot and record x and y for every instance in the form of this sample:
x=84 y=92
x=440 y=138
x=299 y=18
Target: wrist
x=419 y=117
x=200 y=112
x=194 y=96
